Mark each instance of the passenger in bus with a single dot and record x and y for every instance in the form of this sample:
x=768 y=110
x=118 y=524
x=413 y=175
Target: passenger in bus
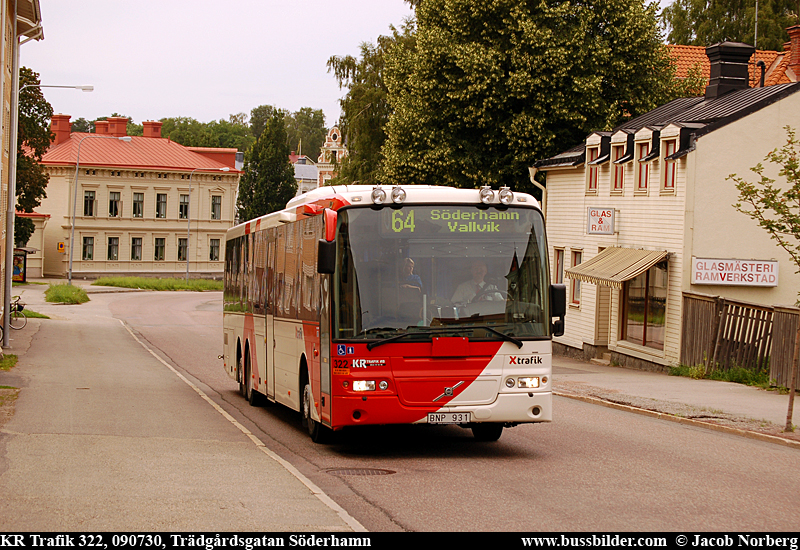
x=476 y=289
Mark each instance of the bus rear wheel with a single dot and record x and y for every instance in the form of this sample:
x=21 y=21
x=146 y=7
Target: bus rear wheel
x=487 y=432
x=318 y=432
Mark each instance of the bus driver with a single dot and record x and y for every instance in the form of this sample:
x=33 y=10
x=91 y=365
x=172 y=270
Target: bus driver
x=476 y=289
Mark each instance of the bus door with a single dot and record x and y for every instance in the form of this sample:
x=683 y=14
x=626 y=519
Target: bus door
x=269 y=339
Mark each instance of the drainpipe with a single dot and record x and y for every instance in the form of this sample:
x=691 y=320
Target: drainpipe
x=533 y=170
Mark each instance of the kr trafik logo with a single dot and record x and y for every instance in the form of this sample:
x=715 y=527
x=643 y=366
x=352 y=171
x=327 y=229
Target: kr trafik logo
x=532 y=360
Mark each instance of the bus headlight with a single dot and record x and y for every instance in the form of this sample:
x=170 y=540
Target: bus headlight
x=364 y=385
x=528 y=382
x=510 y=382
x=505 y=195
x=486 y=194
x=398 y=194
x=378 y=195
x=383 y=384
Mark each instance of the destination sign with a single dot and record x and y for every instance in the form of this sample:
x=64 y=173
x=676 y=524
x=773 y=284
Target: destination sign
x=428 y=220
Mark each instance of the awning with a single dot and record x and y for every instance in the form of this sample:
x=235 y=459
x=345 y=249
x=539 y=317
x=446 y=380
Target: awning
x=615 y=265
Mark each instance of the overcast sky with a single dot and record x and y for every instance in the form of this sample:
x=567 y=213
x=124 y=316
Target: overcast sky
x=204 y=59
x=150 y=59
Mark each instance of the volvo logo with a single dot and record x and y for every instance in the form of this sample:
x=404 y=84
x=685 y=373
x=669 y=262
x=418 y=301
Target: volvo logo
x=448 y=392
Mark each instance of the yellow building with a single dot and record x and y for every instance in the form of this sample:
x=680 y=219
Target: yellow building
x=137 y=199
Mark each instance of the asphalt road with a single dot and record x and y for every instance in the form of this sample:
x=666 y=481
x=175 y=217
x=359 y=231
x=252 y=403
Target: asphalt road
x=592 y=469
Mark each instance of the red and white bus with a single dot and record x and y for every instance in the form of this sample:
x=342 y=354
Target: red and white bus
x=358 y=305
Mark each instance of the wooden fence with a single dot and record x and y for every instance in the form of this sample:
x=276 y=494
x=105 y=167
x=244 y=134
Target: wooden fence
x=725 y=333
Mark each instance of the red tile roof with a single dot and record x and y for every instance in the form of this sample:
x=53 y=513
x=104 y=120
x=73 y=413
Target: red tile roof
x=686 y=57
x=140 y=153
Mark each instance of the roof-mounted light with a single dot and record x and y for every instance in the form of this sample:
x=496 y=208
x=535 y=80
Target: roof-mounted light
x=505 y=195
x=486 y=194
x=378 y=195
x=398 y=194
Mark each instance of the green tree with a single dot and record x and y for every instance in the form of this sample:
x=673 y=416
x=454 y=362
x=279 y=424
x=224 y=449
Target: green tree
x=487 y=88
x=707 y=22
x=365 y=107
x=268 y=180
x=82 y=125
x=33 y=140
x=776 y=209
x=232 y=133
x=305 y=131
x=260 y=115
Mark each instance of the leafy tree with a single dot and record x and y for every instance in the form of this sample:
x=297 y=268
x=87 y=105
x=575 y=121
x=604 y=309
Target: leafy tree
x=489 y=87
x=305 y=131
x=776 y=208
x=260 y=115
x=365 y=108
x=707 y=22
x=232 y=133
x=268 y=180
x=82 y=125
x=33 y=140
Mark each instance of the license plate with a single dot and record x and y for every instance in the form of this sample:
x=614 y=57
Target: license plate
x=449 y=418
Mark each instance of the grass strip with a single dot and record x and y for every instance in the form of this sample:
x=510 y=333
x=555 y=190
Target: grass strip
x=148 y=283
x=65 y=294
x=7 y=362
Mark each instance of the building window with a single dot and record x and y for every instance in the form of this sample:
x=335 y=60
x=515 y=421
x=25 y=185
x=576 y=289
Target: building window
x=669 y=165
x=136 y=248
x=619 y=169
x=113 y=248
x=138 y=205
x=160 y=247
x=213 y=250
x=88 y=203
x=575 y=297
x=643 y=168
x=558 y=276
x=88 y=248
x=645 y=303
x=161 y=205
x=216 y=207
x=591 y=185
x=183 y=208
x=182 y=250
x=113 y=204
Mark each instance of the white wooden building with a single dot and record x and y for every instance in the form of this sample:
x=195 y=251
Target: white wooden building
x=642 y=213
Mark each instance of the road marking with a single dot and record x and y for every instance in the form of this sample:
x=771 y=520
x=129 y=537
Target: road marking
x=316 y=491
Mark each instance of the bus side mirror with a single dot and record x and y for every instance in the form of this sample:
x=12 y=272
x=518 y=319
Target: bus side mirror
x=558 y=308
x=326 y=256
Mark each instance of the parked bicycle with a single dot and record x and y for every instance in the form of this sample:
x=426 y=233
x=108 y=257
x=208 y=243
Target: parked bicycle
x=18 y=319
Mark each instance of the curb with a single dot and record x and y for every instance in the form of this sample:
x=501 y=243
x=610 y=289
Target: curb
x=680 y=420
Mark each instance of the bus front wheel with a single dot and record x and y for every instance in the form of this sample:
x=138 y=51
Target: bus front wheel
x=487 y=432
x=318 y=432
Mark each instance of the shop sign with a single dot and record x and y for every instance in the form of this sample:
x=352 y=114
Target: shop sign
x=600 y=221
x=707 y=271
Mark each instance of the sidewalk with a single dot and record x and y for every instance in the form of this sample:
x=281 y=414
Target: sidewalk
x=735 y=408
x=105 y=437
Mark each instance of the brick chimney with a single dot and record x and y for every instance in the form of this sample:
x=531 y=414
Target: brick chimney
x=118 y=126
x=101 y=127
x=729 y=70
x=794 y=49
x=152 y=129
x=60 y=126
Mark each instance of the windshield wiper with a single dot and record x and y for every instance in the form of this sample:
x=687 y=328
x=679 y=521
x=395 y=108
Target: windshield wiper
x=373 y=345
x=505 y=337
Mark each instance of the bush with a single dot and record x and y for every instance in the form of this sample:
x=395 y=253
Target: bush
x=66 y=294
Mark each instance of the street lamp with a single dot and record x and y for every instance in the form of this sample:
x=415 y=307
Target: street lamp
x=75 y=191
x=189 y=210
x=12 y=191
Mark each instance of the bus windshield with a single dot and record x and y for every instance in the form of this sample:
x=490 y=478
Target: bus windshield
x=459 y=270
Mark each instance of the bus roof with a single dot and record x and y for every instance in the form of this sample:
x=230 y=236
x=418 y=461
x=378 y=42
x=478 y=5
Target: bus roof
x=337 y=196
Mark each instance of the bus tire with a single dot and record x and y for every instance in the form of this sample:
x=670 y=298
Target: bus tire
x=240 y=372
x=318 y=432
x=487 y=432
x=252 y=396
